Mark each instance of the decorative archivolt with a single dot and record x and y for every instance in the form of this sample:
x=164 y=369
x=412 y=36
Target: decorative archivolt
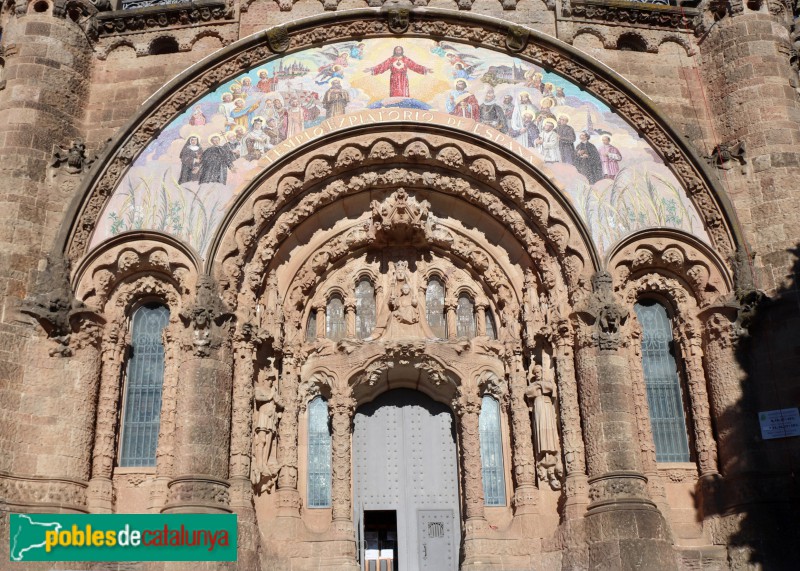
x=530 y=45
x=671 y=254
x=128 y=257
x=541 y=225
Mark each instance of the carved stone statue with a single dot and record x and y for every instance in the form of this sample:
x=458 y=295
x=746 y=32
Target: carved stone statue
x=264 y=467
x=548 y=461
x=400 y=219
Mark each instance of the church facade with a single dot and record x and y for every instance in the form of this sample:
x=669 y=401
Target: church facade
x=434 y=286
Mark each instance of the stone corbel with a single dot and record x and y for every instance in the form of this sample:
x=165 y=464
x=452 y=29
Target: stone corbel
x=206 y=318
x=66 y=320
x=604 y=314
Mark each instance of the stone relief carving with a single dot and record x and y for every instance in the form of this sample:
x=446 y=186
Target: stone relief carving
x=74 y=156
x=603 y=313
x=400 y=218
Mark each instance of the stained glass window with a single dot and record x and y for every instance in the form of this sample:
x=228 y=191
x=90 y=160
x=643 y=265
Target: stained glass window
x=311 y=326
x=494 y=486
x=143 y=384
x=335 y=326
x=491 y=326
x=319 y=455
x=662 y=383
x=365 y=308
x=434 y=307
x=465 y=317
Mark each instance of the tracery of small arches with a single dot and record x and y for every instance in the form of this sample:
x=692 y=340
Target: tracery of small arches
x=465 y=304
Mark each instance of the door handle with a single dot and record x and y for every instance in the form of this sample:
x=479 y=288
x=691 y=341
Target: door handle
x=424 y=550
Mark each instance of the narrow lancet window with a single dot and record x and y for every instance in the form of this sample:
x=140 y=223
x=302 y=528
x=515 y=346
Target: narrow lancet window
x=319 y=455
x=494 y=486
x=434 y=307
x=365 y=308
x=465 y=317
x=335 y=326
x=144 y=381
x=662 y=383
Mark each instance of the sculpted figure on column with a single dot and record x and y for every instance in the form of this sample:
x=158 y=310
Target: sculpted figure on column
x=548 y=463
x=268 y=407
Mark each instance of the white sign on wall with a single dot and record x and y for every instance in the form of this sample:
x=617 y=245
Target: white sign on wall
x=781 y=423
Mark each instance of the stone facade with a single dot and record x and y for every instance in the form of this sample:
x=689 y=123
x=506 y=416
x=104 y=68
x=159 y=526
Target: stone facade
x=709 y=92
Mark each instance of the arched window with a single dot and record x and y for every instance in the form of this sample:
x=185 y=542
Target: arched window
x=465 y=317
x=663 y=383
x=434 y=307
x=491 y=326
x=365 y=308
x=311 y=326
x=335 y=326
x=143 y=384
x=494 y=486
x=319 y=455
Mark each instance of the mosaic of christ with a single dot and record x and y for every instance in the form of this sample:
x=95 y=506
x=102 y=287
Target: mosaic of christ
x=185 y=179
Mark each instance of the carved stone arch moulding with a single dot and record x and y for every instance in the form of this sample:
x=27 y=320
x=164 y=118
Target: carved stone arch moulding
x=676 y=255
x=681 y=169
x=492 y=273
x=125 y=259
x=547 y=232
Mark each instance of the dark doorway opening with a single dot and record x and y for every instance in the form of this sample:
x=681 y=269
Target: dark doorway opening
x=380 y=540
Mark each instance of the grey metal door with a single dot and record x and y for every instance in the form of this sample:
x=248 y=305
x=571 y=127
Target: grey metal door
x=436 y=550
x=404 y=455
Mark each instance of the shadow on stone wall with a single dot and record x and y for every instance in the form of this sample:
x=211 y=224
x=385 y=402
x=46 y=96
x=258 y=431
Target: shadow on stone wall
x=756 y=507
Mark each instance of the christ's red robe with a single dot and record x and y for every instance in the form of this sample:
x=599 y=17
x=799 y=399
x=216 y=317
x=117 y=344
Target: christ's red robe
x=398 y=80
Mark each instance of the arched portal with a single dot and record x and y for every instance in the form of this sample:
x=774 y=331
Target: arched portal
x=405 y=472
x=411 y=235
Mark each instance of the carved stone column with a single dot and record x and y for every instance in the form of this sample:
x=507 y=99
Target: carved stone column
x=450 y=316
x=575 y=487
x=480 y=317
x=350 y=317
x=468 y=408
x=288 y=497
x=165 y=453
x=692 y=353
x=100 y=493
x=737 y=428
x=202 y=437
x=623 y=525
x=321 y=328
x=526 y=494
x=241 y=490
x=342 y=406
